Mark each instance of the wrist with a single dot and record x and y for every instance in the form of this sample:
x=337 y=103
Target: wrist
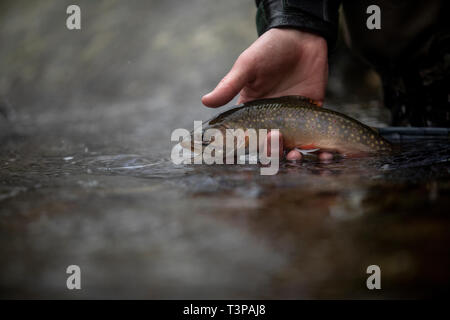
x=304 y=40
x=314 y=16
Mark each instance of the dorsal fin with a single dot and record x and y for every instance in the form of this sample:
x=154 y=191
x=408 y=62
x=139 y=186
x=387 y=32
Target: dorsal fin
x=223 y=115
x=291 y=99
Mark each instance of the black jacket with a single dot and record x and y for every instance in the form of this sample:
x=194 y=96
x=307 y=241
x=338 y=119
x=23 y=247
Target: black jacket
x=316 y=16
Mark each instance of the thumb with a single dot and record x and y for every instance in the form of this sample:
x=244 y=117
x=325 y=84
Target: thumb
x=228 y=87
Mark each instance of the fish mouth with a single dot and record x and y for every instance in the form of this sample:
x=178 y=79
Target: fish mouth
x=189 y=143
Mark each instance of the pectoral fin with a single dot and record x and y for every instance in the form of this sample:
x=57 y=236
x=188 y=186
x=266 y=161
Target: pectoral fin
x=306 y=151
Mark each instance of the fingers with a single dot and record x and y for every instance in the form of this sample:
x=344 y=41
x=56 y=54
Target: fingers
x=294 y=155
x=325 y=156
x=229 y=86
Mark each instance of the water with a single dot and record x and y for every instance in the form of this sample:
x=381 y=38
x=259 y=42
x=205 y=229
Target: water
x=142 y=227
x=85 y=175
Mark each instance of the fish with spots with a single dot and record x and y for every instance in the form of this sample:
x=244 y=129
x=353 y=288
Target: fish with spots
x=303 y=125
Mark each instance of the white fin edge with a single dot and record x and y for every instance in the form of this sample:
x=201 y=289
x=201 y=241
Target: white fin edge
x=306 y=151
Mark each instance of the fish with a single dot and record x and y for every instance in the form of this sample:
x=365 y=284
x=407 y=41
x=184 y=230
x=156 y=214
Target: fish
x=304 y=126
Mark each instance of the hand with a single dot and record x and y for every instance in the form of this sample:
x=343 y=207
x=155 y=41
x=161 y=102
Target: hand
x=281 y=62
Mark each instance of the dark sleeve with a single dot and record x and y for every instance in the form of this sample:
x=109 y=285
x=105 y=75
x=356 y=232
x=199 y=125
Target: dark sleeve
x=316 y=16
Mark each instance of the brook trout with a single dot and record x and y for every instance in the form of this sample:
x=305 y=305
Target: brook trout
x=303 y=125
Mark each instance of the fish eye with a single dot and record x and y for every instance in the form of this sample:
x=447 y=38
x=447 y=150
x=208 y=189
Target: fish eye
x=208 y=140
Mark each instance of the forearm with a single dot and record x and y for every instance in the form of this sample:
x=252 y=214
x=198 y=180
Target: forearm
x=315 y=16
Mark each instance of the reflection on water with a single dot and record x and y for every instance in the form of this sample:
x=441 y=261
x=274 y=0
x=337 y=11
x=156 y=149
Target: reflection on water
x=140 y=226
